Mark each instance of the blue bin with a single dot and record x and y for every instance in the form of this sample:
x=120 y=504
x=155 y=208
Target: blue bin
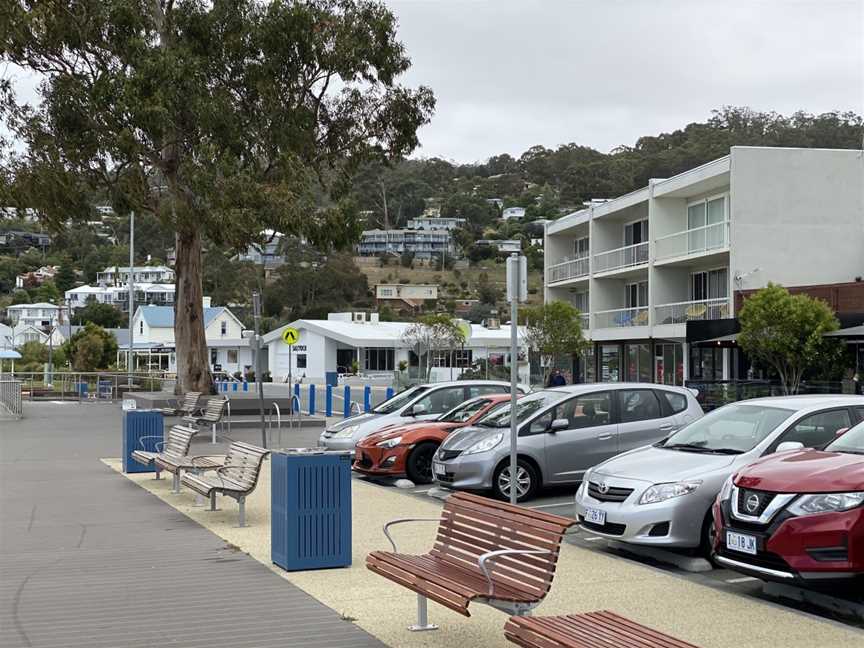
x=105 y=389
x=310 y=508
x=331 y=378
x=81 y=389
x=136 y=425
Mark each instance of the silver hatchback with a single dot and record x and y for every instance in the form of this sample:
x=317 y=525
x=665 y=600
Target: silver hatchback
x=563 y=431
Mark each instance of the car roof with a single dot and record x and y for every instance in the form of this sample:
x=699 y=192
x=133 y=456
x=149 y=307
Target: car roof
x=806 y=401
x=583 y=387
x=467 y=383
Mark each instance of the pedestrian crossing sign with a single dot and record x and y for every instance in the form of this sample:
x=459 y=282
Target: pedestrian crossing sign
x=290 y=335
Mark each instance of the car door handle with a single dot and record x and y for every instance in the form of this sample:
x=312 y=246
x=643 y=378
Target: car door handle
x=668 y=427
x=604 y=437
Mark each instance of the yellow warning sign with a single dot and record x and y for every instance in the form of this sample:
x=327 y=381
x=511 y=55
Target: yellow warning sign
x=290 y=335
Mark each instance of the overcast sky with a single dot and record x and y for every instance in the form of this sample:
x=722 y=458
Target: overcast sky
x=509 y=74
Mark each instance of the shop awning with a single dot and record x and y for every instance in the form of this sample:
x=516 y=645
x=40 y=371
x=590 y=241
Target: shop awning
x=9 y=354
x=852 y=331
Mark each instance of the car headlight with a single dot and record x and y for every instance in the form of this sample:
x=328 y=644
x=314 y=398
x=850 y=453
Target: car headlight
x=726 y=490
x=663 y=492
x=347 y=432
x=826 y=503
x=484 y=445
x=586 y=477
x=390 y=443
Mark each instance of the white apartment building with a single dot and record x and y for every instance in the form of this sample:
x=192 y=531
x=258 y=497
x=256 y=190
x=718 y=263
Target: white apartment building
x=41 y=315
x=155 y=294
x=410 y=295
x=119 y=275
x=424 y=244
x=507 y=246
x=516 y=213
x=659 y=273
x=435 y=223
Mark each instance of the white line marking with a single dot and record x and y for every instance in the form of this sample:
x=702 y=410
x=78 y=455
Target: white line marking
x=743 y=579
x=422 y=490
x=540 y=506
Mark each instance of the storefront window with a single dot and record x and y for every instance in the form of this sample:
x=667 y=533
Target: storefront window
x=380 y=359
x=706 y=363
x=610 y=363
x=669 y=364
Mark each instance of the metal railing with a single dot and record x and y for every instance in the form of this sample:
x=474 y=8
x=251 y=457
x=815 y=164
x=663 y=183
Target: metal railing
x=621 y=317
x=681 y=312
x=625 y=257
x=569 y=269
x=716 y=393
x=692 y=241
x=10 y=398
x=87 y=386
x=585 y=320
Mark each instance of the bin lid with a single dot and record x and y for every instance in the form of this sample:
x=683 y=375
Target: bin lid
x=311 y=451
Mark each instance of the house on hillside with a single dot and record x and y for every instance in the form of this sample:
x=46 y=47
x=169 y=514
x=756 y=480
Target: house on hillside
x=405 y=296
x=513 y=213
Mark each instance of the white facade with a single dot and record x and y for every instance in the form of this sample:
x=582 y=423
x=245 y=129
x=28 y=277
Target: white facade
x=410 y=292
x=39 y=315
x=331 y=345
x=422 y=243
x=641 y=266
x=435 y=223
x=118 y=275
x=502 y=245
x=118 y=296
x=513 y=212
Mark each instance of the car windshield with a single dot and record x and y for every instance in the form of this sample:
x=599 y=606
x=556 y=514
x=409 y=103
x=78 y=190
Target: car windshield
x=851 y=441
x=400 y=399
x=526 y=407
x=465 y=411
x=733 y=429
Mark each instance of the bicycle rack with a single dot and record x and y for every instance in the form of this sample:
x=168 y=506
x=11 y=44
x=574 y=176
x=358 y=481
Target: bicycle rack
x=278 y=423
x=351 y=407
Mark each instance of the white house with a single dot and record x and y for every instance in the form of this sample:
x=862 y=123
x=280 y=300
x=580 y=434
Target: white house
x=119 y=275
x=155 y=294
x=154 y=343
x=502 y=245
x=334 y=344
x=435 y=223
x=412 y=295
x=516 y=213
x=41 y=315
x=660 y=273
x=423 y=244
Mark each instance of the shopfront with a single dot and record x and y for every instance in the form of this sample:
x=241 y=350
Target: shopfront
x=649 y=361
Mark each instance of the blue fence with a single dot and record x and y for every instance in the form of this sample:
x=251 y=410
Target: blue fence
x=362 y=397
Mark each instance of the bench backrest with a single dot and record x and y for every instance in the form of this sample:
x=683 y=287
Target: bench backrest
x=214 y=410
x=243 y=463
x=190 y=402
x=472 y=525
x=178 y=440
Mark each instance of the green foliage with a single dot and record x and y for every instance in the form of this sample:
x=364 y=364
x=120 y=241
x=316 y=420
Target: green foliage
x=21 y=297
x=34 y=357
x=92 y=348
x=433 y=333
x=552 y=330
x=487 y=292
x=406 y=260
x=47 y=292
x=64 y=279
x=103 y=315
x=786 y=333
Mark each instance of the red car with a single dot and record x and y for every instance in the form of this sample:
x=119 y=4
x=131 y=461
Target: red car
x=796 y=516
x=408 y=449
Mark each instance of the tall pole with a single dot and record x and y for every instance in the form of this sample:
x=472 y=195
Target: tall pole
x=514 y=373
x=256 y=313
x=131 y=286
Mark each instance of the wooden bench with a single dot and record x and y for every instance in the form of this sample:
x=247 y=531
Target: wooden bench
x=211 y=415
x=236 y=477
x=590 y=630
x=175 y=445
x=177 y=465
x=186 y=407
x=486 y=551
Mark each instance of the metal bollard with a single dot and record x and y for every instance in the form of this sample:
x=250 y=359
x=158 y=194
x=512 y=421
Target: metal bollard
x=367 y=398
x=311 y=400
x=346 y=402
x=389 y=393
x=328 y=400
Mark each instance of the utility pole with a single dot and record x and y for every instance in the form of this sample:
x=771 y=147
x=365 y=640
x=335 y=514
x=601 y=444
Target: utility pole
x=131 y=286
x=516 y=291
x=256 y=315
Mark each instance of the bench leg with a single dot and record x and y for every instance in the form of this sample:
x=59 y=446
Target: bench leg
x=213 y=432
x=158 y=475
x=176 y=483
x=213 y=501
x=199 y=498
x=241 y=503
x=422 y=617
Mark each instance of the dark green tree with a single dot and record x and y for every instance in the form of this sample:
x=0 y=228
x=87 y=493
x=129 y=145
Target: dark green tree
x=91 y=348
x=64 y=279
x=104 y=315
x=220 y=119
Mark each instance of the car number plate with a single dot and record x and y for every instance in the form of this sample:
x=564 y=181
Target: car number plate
x=741 y=542
x=595 y=516
x=438 y=469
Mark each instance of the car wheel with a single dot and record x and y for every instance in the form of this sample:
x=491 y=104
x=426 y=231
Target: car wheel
x=527 y=481
x=418 y=465
x=709 y=532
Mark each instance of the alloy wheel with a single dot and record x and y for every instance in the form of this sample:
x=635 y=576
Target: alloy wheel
x=523 y=481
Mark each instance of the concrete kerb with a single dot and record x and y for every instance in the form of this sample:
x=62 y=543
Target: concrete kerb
x=585 y=581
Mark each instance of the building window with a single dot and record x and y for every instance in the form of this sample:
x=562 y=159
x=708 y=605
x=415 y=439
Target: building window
x=710 y=284
x=638 y=361
x=301 y=360
x=610 y=363
x=580 y=247
x=380 y=359
x=224 y=328
x=669 y=364
x=232 y=356
x=636 y=295
x=141 y=328
x=214 y=356
x=636 y=232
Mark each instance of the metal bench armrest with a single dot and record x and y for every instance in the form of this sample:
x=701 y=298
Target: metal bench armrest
x=152 y=436
x=490 y=557
x=400 y=521
x=195 y=465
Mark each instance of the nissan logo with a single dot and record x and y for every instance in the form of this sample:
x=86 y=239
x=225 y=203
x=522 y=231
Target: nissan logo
x=752 y=503
x=603 y=488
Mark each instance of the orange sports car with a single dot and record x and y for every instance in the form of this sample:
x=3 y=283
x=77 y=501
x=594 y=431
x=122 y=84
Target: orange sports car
x=408 y=449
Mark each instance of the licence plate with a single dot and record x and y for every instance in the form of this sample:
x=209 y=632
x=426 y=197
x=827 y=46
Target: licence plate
x=438 y=469
x=741 y=542
x=596 y=516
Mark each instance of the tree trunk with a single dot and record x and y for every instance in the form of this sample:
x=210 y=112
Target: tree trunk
x=193 y=366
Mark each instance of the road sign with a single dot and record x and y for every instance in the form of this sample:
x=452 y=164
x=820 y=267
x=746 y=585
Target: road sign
x=290 y=336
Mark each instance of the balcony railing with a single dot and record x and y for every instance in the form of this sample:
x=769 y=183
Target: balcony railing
x=585 y=320
x=680 y=312
x=625 y=257
x=621 y=317
x=693 y=241
x=570 y=269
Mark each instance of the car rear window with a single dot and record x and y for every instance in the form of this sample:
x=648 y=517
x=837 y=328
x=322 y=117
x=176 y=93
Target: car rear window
x=678 y=402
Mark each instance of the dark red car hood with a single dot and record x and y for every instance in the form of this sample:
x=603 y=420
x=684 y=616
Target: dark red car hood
x=410 y=432
x=805 y=471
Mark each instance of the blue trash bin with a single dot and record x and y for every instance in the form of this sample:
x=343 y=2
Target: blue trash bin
x=331 y=378
x=81 y=389
x=138 y=424
x=310 y=508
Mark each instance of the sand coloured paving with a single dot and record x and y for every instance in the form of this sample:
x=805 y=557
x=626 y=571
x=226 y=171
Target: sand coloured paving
x=584 y=581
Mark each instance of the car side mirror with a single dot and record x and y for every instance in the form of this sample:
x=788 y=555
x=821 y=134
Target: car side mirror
x=841 y=431
x=786 y=446
x=559 y=424
x=417 y=410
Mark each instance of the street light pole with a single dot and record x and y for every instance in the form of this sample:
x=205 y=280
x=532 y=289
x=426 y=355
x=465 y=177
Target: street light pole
x=131 y=286
x=256 y=316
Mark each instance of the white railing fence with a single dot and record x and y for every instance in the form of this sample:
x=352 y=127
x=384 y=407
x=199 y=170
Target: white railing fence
x=680 y=312
x=10 y=398
x=692 y=241
x=621 y=317
x=569 y=269
x=625 y=257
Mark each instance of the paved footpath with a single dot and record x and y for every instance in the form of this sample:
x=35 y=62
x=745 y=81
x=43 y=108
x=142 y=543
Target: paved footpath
x=88 y=558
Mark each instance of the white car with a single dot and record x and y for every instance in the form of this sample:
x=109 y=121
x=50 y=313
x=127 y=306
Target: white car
x=419 y=403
